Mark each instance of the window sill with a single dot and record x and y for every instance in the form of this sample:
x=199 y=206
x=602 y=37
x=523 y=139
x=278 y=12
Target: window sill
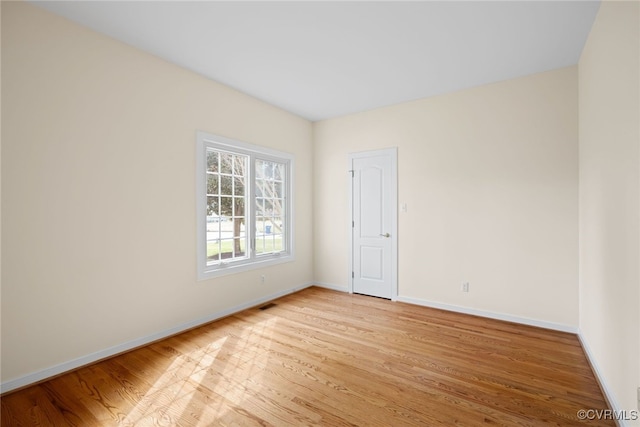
x=239 y=267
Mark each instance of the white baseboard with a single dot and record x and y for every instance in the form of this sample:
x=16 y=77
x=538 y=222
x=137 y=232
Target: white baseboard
x=600 y=377
x=467 y=310
x=53 y=371
x=490 y=314
x=341 y=288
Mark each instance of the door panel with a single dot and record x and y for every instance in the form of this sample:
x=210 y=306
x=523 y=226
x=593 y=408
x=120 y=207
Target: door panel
x=371 y=259
x=373 y=220
x=371 y=181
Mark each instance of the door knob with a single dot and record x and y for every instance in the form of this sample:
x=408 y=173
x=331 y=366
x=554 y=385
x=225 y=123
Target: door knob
x=385 y=235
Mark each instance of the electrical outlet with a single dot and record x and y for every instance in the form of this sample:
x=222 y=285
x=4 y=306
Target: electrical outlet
x=464 y=287
x=262 y=278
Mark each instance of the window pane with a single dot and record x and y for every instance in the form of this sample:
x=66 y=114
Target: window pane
x=226 y=249
x=225 y=185
x=259 y=169
x=212 y=161
x=278 y=207
x=212 y=184
x=226 y=216
x=259 y=245
x=278 y=171
x=226 y=207
x=213 y=252
x=263 y=245
x=268 y=189
x=238 y=186
x=226 y=210
x=238 y=208
x=242 y=230
x=239 y=165
x=260 y=226
x=270 y=193
x=226 y=163
x=236 y=227
x=239 y=247
x=277 y=243
x=259 y=207
x=269 y=243
x=278 y=190
x=212 y=205
x=213 y=231
x=278 y=222
x=268 y=207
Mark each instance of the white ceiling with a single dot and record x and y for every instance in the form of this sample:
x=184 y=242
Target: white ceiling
x=326 y=59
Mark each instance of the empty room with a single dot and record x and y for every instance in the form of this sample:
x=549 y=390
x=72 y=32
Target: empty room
x=320 y=213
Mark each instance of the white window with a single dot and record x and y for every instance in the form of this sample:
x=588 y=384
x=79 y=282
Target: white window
x=244 y=206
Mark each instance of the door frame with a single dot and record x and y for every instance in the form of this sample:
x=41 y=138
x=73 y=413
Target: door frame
x=393 y=153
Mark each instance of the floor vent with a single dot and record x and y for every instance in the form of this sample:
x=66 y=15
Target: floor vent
x=267 y=306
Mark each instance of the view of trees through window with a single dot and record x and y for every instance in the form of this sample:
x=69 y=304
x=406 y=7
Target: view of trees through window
x=269 y=206
x=227 y=206
x=226 y=200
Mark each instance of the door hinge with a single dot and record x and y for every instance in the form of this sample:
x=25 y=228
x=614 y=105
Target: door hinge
x=353 y=224
x=353 y=275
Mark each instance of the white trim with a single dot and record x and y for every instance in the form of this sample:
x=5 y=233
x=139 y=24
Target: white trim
x=600 y=378
x=466 y=310
x=394 y=219
x=240 y=267
x=88 y=359
x=340 y=288
x=490 y=314
x=393 y=152
x=350 y=224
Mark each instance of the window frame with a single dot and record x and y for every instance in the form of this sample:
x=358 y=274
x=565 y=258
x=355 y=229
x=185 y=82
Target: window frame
x=254 y=152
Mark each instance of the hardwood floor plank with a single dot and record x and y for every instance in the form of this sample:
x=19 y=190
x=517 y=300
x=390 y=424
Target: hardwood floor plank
x=32 y=408
x=321 y=357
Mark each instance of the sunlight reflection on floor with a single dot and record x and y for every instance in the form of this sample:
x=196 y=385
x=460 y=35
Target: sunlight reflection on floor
x=244 y=365
x=225 y=366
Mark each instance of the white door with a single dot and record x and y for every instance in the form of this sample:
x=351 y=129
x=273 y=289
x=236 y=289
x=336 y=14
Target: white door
x=374 y=228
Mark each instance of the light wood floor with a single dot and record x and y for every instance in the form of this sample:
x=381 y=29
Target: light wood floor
x=328 y=358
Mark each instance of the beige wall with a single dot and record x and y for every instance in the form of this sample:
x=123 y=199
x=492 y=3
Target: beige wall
x=98 y=197
x=489 y=176
x=609 y=96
